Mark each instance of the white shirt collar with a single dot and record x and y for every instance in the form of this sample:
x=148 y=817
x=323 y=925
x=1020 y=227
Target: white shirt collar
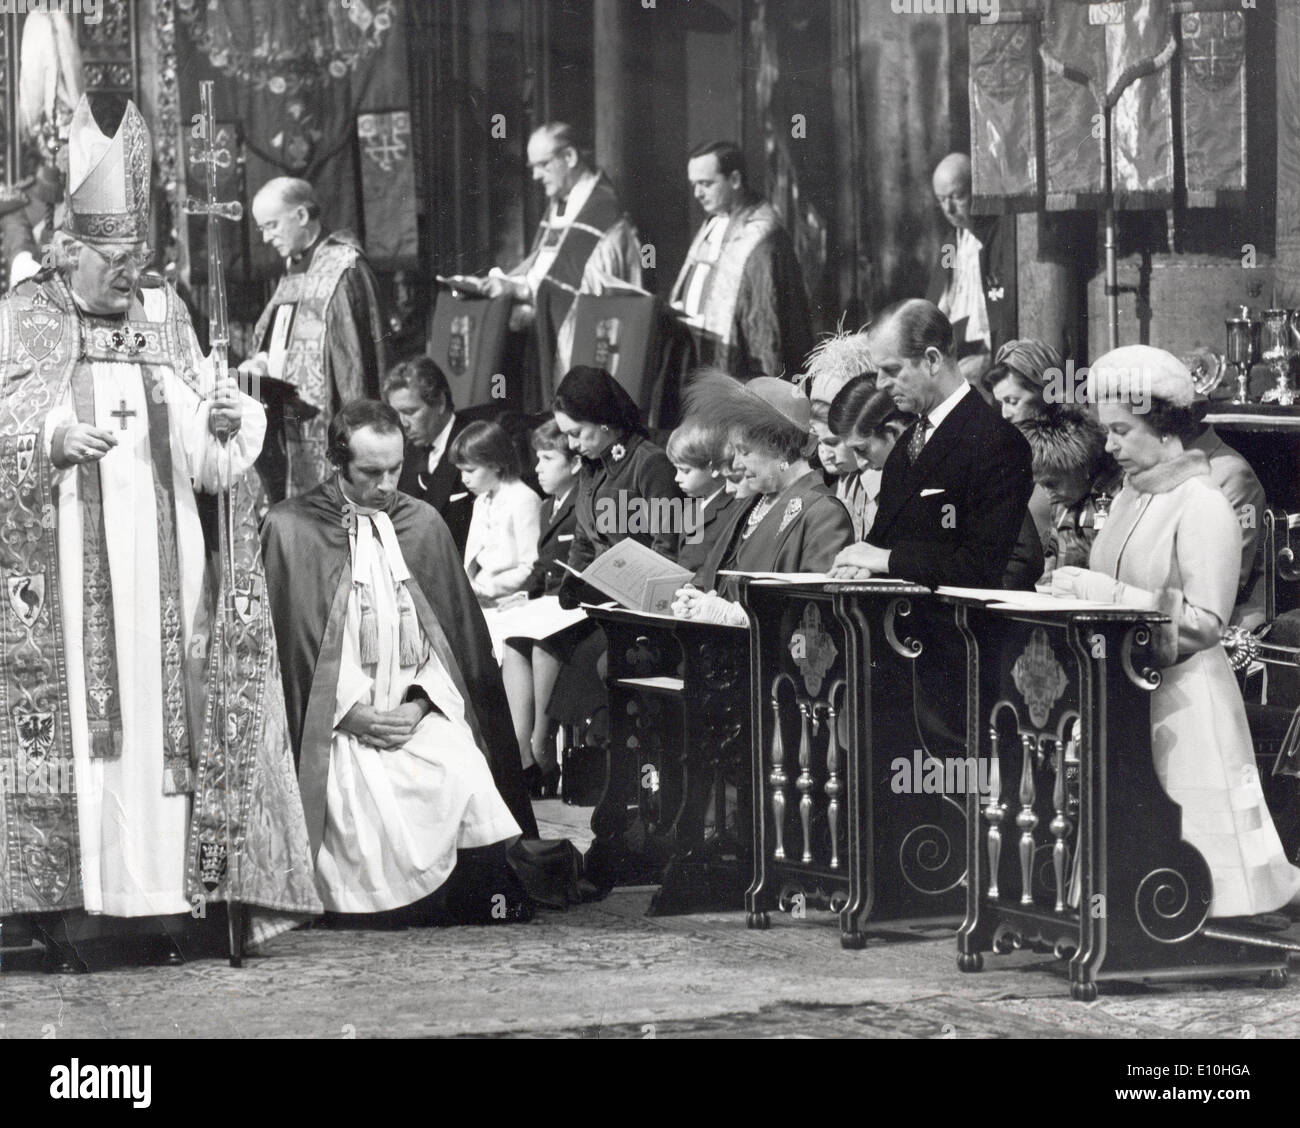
x=439 y=447
x=940 y=413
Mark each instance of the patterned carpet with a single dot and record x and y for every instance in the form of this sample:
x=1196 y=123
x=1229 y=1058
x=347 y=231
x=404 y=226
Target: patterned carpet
x=606 y=970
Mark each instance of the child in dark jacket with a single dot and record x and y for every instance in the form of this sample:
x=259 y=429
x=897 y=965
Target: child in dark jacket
x=557 y=474
x=700 y=457
x=529 y=667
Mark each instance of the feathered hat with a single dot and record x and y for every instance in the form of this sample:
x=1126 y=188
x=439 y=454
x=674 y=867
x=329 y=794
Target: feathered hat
x=834 y=362
x=766 y=411
x=108 y=178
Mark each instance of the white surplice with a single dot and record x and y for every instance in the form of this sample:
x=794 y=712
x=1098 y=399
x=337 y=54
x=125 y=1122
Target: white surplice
x=132 y=835
x=394 y=819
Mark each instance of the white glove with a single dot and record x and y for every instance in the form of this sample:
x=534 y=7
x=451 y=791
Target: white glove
x=712 y=608
x=1083 y=583
x=684 y=601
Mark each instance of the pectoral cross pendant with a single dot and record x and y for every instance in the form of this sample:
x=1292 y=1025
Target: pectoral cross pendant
x=121 y=415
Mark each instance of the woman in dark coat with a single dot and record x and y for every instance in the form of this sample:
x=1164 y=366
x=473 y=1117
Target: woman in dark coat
x=620 y=467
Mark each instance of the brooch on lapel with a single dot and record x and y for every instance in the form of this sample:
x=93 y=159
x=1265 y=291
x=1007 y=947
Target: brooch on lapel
x=792 y=511
x=618 y=452
x=997 y=293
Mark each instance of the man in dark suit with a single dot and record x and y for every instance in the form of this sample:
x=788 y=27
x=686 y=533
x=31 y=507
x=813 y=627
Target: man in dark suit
x=955 y=488
x=953 y=496
x=417 y=390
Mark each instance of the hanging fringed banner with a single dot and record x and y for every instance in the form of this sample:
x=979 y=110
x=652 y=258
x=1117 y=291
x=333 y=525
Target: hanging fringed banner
x=1214 y=107
x=388 y=189
x=1108 y=56
x=1003 y=120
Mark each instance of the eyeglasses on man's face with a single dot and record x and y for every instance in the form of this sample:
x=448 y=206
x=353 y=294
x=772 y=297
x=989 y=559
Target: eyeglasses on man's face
x=555 y=156
x=136 y=259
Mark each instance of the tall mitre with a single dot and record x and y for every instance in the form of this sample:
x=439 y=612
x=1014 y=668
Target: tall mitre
x=108 y=201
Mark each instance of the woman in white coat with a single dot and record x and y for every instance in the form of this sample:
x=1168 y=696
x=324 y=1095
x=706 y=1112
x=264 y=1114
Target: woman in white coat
x=1172 y=542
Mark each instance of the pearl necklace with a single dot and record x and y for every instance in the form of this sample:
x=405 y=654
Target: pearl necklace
x=761 y=510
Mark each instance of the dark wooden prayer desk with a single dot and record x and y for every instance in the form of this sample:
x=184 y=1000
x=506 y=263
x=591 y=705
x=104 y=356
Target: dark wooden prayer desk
x=1075 y=848
x=832 y=693
x=678 y=746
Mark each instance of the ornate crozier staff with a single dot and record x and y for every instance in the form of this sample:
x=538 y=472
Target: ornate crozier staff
x=204 y=130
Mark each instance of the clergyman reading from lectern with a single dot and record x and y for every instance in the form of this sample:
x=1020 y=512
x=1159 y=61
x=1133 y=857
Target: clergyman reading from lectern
x=584 y=244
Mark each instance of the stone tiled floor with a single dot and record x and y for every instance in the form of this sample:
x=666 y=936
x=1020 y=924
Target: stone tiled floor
x=606 y=970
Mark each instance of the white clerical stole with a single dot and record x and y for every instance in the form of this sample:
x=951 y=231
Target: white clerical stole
x=710 y=250
x=964 y=297
x=559 y=218
x=278 y=347
x=395 y=817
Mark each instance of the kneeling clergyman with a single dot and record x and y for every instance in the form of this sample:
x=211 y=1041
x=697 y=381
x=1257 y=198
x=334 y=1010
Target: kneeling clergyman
x=395 y=701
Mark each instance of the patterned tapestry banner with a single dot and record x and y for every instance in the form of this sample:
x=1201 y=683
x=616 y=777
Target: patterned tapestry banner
x=1003 y=116
x=1098 y=57
x=1214 y=106
x=388 y=189
x=296 y=76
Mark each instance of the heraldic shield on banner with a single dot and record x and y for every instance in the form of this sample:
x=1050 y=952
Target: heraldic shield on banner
x=467 y=339
x=607 y=345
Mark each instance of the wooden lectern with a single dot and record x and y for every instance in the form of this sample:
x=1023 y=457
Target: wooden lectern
x=620 y=333
x=1075 y=848
x=832 y=695
x=678 y=752
x=467 y=340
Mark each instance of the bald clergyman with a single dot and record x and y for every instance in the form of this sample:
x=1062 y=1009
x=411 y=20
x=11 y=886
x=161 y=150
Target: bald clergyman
x=974 y=279
x=322 y=333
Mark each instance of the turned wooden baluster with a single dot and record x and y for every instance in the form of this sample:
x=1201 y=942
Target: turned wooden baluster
x=804 y=784
x=777 y=778
x=1027 y=821
x=994 y=812
x=834 y=788
x=1060 y=827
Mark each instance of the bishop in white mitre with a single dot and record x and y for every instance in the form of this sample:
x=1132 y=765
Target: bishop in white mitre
x=106 y=369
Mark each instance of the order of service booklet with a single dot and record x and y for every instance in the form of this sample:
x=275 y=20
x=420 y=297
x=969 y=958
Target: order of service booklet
x=635 y=576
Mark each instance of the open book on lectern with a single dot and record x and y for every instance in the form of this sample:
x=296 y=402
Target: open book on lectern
x=635 y=576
